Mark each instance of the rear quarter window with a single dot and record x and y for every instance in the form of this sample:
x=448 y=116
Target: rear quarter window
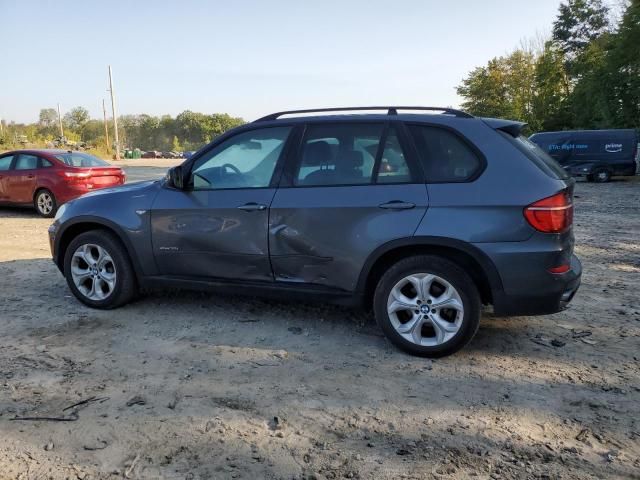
x=534 y=153
x=445 y=157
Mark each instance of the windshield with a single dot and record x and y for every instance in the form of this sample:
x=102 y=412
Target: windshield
x=79 y=159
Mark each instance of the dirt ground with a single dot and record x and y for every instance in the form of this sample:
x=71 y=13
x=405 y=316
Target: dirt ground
x=196 y=385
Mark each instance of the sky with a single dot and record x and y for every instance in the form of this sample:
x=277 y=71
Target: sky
x=249 y=57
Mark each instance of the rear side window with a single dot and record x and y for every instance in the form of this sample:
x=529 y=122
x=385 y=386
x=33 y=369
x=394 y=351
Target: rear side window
x=534 y=153
x=445 y=157
x=45 y=163
x=393 y=164
x=338 y=154
x=5 y=163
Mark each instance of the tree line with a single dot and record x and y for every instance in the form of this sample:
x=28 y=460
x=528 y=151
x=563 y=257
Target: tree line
x=587 y=75
x=187 y=131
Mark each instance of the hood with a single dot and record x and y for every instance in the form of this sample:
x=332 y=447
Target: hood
x=123 y=189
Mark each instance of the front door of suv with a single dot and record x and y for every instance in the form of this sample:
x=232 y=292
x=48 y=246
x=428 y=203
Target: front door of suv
x=217 y=226
x=350 y=189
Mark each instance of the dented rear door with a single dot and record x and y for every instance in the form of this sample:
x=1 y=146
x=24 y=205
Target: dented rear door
x=323 y=234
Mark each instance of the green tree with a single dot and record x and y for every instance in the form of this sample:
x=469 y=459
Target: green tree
x=623 y=69
x=76 y=118
x=48 y=123
x=48 y=117
x=503 y=88
x=550 y=106
x=92 y=132
x=578 y=23
x=175 y=145
x=485 y=91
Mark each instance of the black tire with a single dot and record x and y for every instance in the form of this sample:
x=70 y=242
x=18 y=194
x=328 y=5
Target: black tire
x=445 y=269
x=601 y=175
x=125 y=288
x=40 y=208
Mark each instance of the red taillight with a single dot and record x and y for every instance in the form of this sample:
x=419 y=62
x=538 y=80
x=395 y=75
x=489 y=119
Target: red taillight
x=552 y=214
x=74 y=177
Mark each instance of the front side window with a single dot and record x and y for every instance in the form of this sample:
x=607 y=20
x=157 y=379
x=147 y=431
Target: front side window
x=5 y=163
x=446 y=158
x=246 y=160
x=26 y=162
x=338 y=154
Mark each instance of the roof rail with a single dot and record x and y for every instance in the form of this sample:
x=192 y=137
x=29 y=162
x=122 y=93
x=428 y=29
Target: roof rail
x=391 y=110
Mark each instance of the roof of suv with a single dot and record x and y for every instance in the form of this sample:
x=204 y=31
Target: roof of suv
x=446 y=116
x=390 y=111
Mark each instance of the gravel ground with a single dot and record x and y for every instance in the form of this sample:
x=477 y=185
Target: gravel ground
x=194 y=385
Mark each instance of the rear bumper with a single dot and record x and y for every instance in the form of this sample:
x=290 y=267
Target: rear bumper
x=564 y=287
x=71 y=192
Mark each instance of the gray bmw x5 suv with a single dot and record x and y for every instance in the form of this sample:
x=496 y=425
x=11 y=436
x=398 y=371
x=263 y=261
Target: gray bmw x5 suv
x=423 y=217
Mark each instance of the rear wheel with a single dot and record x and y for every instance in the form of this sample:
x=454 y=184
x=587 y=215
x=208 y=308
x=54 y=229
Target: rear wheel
x=45 y=203
x=98 y=270
x=427 y=306
x=601 y=175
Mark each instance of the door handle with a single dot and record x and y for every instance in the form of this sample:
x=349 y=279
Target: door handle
x=252 y=206
x=29 y=176
x=397 y=205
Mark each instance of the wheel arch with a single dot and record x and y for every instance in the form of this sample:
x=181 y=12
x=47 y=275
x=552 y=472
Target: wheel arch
x=38 y=189
x=481 y=269
x=86 y=224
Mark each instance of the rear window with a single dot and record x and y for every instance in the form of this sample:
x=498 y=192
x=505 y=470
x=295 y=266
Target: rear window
x=79 y=159
x=534 y=153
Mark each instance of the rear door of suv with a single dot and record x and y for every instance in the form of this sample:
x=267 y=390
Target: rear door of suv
x=349 y=188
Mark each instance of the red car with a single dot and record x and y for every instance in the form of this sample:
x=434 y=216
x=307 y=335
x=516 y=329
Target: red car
x=48 y=178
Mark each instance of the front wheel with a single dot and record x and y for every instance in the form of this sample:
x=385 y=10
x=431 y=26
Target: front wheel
x=98 y=270
x=45 y=203
x=427 y=306
x=601 y=175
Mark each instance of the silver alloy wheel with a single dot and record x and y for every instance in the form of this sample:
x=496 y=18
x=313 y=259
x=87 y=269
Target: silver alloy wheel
x=93 y=271
x=45 y=203
x=425 y=309
x=603 y=175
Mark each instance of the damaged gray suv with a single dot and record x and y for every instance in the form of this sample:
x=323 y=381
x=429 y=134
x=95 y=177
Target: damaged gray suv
x=423 y=214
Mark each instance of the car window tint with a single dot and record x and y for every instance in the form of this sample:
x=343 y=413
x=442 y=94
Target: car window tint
x=246 y=160
x=534 y=153
x=338 y=154
x=446 y=158
x=79 y=159
x=5 y=162
x=26 y=162
x=393 y=164
x=45 y=163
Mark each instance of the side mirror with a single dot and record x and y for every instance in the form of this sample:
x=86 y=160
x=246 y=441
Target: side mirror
x=176 y=177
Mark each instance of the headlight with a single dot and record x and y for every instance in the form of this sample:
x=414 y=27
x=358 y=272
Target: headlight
x=60 y=212
x=585 y=169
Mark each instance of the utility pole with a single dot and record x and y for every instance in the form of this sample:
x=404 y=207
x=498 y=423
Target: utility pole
x=60 y=123
x=115 y=117
x=106 y=126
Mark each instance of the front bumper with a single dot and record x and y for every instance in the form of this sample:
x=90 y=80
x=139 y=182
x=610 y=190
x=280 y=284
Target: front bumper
x=564 y=289
x=52 y=231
